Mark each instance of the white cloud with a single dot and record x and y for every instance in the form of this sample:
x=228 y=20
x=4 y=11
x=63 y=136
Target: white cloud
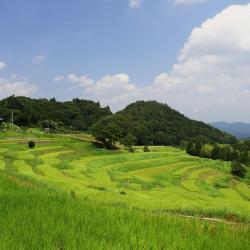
x=39 y=58
x=81 y=81
x=2 y=65
x=135 y=3
x=15 y=85
x=59 y=78
x=189 y=1
x=210 y=81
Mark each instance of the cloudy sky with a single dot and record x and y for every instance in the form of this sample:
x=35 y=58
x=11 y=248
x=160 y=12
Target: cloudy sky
x=191 y=54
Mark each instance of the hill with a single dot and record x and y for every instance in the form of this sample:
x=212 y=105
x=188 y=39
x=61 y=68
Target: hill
x=161 y=125
x=150 y=122
x=76 y=114
x=165 y=177
x=67 y=194
x=34 y=216
x=238 y=129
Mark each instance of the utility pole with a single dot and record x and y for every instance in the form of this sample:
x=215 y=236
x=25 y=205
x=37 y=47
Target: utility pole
x=12 y=119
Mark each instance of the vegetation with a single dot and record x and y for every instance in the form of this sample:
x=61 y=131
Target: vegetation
x=152 y=123
x=238 y=169
x=164 y=179
x=31 y=144
x=238 y=151
x=63 y=192
x=33 y=216
x=74 y=115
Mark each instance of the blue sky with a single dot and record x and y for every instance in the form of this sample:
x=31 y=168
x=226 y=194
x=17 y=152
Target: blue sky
x=107 y=50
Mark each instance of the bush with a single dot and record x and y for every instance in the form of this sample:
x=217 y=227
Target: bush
x=131 y=150
x=238 y=169
x=146 y=149
x=31 y=144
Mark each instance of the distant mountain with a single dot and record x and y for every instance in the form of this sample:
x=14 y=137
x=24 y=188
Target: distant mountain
x=238 y=129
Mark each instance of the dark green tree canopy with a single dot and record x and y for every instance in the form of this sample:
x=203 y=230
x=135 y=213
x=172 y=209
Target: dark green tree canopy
x=76 y=115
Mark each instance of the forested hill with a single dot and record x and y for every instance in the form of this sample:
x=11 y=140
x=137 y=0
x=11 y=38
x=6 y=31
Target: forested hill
x=76 y=114
x=150 y=122
x=156 y=122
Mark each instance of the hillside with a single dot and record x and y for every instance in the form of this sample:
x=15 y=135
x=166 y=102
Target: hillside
x=158 y=123
x=76 y=114
x=150 y=122
x=33 y=216
x=238 y=129
x=68 y=194
x=165 y=178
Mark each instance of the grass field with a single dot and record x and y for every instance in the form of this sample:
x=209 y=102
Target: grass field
x=117 y=200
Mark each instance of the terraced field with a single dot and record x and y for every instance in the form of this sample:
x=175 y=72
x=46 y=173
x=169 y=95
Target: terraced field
x=165 y=179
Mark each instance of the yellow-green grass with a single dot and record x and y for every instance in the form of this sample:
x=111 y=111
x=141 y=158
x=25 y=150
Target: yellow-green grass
x=36 y=216
x=165 y=179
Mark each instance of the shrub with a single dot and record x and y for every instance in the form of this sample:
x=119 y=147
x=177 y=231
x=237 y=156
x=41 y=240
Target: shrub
x=131 y=150
x=31 y=144
x=146 y=149
x=238 y=169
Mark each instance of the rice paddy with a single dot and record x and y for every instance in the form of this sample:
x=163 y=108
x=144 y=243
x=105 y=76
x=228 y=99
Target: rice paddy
x=165 y=179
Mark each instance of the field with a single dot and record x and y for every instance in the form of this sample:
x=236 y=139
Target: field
x=74 y=195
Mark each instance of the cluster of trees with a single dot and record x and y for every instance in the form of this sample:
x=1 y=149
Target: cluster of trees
x=152 y=123
x=73 y=115
x=237 y=152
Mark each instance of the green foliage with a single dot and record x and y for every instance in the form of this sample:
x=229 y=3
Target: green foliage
x=31 y=144
x=76 y=114
x=216 y=151
x=164 y=179
x=190 y=148
x=244 y=157
x=146 y=149
x=33 y=216
x=156 y=123
x=238 y=169
x=129 y=141
x=107 y=132
x=206 y=151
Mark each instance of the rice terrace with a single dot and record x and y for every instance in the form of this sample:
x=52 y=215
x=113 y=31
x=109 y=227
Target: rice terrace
x=159 y=189
x=125 y=125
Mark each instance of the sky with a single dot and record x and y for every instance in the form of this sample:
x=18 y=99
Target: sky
x=193 y=55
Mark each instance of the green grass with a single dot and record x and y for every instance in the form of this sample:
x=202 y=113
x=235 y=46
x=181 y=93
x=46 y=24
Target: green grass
x=33 y=216
x=164 y=179
x=115 y=200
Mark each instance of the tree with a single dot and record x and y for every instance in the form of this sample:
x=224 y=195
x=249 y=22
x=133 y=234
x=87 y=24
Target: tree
x=207 y=150
x=107 y=132
x=146 y=149
x=142 y=134
x=129 y=141
x=198 y=148
x=244 y=157
x=238 y=169
x=215 y=152
x=190 y=148
x=31 y=144
x=160 y=138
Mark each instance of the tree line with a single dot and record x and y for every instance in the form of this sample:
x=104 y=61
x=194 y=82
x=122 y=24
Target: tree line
x=78 y=115
x=237 y=152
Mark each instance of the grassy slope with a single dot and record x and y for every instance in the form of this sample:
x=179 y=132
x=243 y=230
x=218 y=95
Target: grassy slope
x=104 y=187
x=164 y=179
x=36 y=217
